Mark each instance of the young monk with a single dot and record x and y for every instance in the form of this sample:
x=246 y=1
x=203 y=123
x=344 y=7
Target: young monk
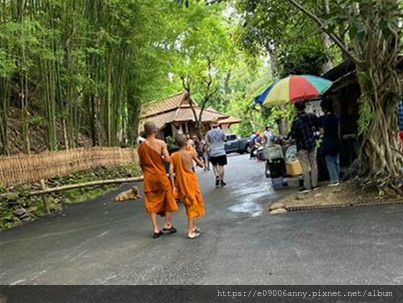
x=185 y=186
x=158 y=195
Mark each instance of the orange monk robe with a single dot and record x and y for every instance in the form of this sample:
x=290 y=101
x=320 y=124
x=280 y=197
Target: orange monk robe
x=187 y=188
x=158 y=195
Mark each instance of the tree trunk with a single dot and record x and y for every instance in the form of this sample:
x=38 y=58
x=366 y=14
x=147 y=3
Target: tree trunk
x=4 y=111
x=376 y=53
x=25 y=117
x=133 y=107
x=283 y=128
x=381 y=151
x=282 y=122
x=326 y=39
x=381 y=90
x=273 y=62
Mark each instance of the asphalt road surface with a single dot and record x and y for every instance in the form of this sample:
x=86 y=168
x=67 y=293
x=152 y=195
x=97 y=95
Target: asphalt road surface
x=102 y=242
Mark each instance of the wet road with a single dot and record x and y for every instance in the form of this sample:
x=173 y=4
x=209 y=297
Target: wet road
x=101 y=242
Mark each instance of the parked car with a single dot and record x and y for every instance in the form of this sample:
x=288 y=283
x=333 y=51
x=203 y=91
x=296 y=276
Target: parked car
x=234 y=144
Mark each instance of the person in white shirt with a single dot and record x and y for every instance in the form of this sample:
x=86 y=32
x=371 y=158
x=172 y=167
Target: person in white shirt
x=215 y=139
x=268 y=136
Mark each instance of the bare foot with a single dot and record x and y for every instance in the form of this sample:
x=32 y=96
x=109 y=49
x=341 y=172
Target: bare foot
x=167 y=225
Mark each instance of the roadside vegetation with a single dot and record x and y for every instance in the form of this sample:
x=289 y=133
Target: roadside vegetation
x=17 y=207
x=75 y=73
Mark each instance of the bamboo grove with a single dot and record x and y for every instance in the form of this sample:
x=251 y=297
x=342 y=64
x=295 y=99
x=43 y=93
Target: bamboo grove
x=78 y=66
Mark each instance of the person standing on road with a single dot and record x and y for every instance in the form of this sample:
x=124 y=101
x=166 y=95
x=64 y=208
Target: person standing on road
x=206 y=158
x=268 y=136
x=190 y=143
x=215 y=139
x=158 y=195
x=198 y=147
x=185 y=184
x=330 y=147
x=302 y=130
x=252 y=138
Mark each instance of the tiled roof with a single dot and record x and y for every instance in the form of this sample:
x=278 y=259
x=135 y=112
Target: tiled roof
x=339 y=71
x=184 y=114
x=160 y=120
x=174 y=109
x=230 y=120
x=159 y=107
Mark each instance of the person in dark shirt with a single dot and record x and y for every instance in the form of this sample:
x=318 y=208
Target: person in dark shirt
x=330 y=147
x=198 y=147
x=302 y=131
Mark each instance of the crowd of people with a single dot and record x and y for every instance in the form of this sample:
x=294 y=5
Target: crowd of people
x=161 y=192
x=303 y=132
x=258 y=140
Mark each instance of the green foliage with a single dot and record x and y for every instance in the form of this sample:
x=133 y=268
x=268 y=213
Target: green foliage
x=18 y=207
x=170 y=142
x=308 y=58
x=247 y=78
x=83 y=66
x=367 y=115
x=286 y=34
x=202 y=48
x=287 y=112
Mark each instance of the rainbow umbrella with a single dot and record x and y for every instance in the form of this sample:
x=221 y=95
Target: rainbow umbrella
x=293 y=89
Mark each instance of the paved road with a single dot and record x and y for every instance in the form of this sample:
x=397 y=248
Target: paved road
x=101 y=242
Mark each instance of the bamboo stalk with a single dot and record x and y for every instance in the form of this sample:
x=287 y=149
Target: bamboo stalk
x=87 y=184
x=44 y=199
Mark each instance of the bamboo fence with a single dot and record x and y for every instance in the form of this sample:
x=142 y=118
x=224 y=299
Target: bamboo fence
x=33 y=168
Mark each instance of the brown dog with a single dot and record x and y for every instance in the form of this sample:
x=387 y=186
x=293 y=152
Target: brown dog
x=132 y=194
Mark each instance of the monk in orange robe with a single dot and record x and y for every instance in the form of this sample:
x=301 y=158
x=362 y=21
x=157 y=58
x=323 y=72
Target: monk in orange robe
x=158 y=195
x=186 y=187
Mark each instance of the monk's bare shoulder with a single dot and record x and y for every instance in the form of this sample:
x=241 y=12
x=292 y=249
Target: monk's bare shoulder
x=160 y=143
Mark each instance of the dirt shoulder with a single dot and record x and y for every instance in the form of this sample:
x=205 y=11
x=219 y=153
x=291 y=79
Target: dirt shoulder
x=349 y=193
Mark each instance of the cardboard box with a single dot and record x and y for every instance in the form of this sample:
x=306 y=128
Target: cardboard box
x=293 y=168
x=293 y=182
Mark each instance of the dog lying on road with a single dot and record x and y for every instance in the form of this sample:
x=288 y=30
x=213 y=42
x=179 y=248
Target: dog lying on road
x=132 y=194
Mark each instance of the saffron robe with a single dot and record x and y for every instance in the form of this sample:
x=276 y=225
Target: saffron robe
x=158 y=195
x=187 y=188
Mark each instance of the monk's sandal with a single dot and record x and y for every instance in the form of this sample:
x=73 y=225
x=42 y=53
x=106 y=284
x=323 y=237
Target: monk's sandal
x=157 y=235
x=195 y=235
x=171 y=230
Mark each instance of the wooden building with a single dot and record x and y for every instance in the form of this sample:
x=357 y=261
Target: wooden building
x=345 y=93
x=174 y=115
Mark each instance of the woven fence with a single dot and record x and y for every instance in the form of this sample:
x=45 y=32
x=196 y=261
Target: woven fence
x=33 y=168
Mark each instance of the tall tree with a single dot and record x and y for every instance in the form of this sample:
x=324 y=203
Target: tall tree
x=78 y=67
x=374 y=43
x=203 y=49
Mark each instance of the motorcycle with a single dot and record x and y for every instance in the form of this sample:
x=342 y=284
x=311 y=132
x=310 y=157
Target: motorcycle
x=256 y=149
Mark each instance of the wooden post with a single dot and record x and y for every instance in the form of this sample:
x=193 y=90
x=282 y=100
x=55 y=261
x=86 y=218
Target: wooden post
x=44 y=199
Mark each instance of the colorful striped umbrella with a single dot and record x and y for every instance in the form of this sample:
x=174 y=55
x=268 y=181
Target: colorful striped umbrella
x=293 y=89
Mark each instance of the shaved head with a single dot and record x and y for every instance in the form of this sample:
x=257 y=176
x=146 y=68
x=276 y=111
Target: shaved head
x=181 y=140
x=150 y=128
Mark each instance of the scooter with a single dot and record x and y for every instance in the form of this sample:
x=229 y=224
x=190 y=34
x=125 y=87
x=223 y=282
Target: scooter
x=254 y=153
